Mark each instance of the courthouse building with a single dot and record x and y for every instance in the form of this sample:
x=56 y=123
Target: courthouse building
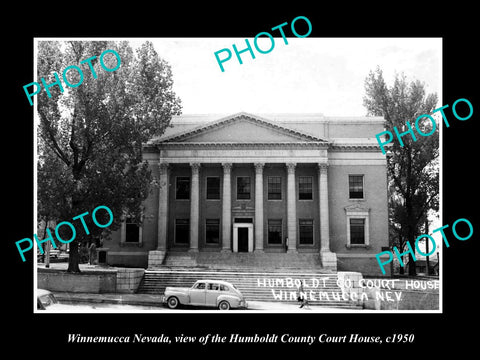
x=260 y=185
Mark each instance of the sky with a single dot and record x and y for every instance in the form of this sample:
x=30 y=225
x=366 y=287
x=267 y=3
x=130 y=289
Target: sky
x=307 y=75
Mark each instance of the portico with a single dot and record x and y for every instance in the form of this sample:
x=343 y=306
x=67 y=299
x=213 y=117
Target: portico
x=242 y=222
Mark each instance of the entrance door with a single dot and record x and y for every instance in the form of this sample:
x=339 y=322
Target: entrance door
x=242 y=239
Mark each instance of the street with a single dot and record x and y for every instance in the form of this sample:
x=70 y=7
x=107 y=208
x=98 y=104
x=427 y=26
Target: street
x=255 y=306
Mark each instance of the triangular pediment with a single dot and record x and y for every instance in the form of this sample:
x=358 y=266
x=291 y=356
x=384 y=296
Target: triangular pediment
x=241 y=128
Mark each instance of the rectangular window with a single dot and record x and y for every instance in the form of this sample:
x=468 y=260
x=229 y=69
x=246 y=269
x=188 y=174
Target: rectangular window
x=243 y=188
x=212 y=231
x=357 y=231
x=132 y=231
x=274 y=188
x=213 y=188
x=182 y=188
x=305 y=188
x=306 y=231
x=182 y=231
x=275 y=232
x=355 y=186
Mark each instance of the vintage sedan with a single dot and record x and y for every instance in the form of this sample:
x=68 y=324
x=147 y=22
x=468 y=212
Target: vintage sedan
x=212 y=293
x=46 y=300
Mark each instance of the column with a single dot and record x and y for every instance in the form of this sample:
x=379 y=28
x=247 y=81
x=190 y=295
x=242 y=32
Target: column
x=259 y=206
x=194 y=206
x=163 y=207
x=291 y=208
x=155 y=257
x=227 y=207
x=329 y=259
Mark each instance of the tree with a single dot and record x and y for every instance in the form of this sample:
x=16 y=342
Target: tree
x=412 y=169
x=90 y=136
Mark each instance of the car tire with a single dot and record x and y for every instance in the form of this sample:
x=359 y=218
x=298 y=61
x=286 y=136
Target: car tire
x=172 y=302
x=224 y=305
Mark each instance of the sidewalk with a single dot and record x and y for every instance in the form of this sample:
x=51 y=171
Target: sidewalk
x=154 y=301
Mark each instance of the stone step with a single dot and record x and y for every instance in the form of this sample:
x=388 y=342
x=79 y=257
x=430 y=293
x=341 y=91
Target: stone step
x=255 y=285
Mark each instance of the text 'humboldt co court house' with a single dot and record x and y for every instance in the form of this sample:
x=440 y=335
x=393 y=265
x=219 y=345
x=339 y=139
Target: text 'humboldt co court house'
x=271 y=191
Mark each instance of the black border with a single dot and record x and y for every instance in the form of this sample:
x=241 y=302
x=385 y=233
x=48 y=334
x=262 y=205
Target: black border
x=433 y=332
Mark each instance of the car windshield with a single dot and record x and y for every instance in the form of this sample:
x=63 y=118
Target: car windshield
x=47 y=300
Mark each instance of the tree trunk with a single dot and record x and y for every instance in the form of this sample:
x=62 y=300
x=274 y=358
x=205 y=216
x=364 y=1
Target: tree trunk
x=73 y=258
x=412 y=265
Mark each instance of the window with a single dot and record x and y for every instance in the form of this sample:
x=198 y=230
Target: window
x=212 y=231
x=200 y=286
x=275 y=232
x=357 y=231
x=182 y=231
x=305 y=187
x=213 y=188
x=224 y=288
x=306 y=231
x=243 y=188
x=358 y=220
x=215 y=287
x=182 y=188
x=132 y=231
x=355 y=186
x=274 y=188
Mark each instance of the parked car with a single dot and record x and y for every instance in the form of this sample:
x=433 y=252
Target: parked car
x=212 y=293
x=47 y=301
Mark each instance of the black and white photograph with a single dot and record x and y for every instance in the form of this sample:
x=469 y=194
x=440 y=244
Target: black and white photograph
x=274 y=183
x=267 y=204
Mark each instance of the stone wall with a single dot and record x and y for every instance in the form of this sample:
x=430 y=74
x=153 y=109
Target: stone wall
x=85 y=282
x=128 y=279
x=114 y=280
x=391 y=294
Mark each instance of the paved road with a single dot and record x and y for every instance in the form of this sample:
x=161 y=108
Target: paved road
x=80 y=302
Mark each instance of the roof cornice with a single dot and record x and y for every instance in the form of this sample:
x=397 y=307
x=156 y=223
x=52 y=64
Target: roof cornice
x=315 y=144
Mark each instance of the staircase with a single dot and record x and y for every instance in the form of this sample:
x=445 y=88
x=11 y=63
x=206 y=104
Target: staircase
x=255 y=284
